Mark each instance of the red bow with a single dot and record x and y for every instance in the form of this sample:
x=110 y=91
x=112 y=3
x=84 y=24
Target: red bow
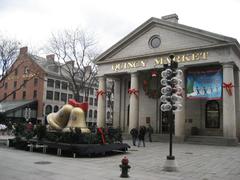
x=154 y=73
x=100 y=92
x=134 y=91
x=228 y=87
x=74 y=103
x=102 y=135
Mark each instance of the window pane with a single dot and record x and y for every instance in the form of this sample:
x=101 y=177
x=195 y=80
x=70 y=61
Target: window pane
x=90 y=113
x=95 y=102
x=56 y=96
x=50 y=83
x=24 y=95
x=35 y=81
x=48 y=109
x=95 y=114
x=91 y=101
x=34 y=94
x=49 y=95
x=91 y=91
x=15 y=84
x=63 y=97
x=64 y=85
x=57 y=84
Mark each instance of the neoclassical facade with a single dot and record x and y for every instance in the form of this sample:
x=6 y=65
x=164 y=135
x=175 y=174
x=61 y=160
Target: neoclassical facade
x=210 y=63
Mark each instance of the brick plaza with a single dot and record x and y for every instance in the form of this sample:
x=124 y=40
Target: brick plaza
x=195 y=162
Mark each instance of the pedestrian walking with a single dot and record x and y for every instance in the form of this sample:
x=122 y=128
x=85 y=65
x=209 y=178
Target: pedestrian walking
x=134 y=134
x=150 y=131
x=141 y=135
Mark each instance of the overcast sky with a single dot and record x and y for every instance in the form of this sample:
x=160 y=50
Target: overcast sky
x=33 y=21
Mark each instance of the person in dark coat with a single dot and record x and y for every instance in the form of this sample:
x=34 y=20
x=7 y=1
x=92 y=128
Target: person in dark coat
x=134 y=134
x=141 y=135
x=150 y=131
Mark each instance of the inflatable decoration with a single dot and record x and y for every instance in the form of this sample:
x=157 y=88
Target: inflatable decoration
x=69 y=117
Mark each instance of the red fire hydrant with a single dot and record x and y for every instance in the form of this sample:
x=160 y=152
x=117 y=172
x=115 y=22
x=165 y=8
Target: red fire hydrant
x=124 y=167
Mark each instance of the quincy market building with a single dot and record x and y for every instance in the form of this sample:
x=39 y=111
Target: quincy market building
x=210 y=63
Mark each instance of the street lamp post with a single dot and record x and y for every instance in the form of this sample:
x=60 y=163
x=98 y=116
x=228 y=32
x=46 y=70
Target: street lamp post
x=171 y=102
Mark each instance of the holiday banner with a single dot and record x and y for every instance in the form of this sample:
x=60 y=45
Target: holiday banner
x=205 y=84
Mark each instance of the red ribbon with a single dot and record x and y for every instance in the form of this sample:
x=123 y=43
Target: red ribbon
x=133 y=91
x=74 y=103
x=228 y=87
x=154 y=73
x=100 y=92
x=102 y=135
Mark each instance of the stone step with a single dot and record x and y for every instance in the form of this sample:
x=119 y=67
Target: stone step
x=211 y=140
x=155 y=137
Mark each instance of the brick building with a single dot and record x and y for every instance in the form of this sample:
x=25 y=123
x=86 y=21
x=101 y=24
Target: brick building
x=39 y=89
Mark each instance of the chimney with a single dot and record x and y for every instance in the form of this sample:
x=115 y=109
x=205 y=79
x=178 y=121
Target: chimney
x=171 y=18
x=50 y=57
x=24 y=50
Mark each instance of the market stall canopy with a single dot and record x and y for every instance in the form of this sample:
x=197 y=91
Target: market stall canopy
x=8 y=106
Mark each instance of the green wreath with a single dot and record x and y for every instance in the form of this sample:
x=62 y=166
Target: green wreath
x=151 y=83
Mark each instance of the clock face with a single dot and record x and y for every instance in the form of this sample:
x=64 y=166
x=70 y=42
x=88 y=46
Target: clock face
x=154 y=41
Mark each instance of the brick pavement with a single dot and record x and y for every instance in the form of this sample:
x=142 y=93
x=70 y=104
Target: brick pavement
x=195 y=162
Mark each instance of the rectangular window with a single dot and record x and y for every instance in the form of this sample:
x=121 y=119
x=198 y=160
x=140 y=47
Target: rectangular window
x=24 y=83
x=63 y=97
x=24 y=95
x=35 y=94
x=56 y=96
x=91 y=91
x=95 y=114
x=49 y=95
x=15 y=84
x=16 y=72
x=50 y=83
x=6 y=85
x=57 y=84
x=14 y=95
x=64 y=85
x=5 y=95
x=95 y=102
x=91 y=101
x=35 y=81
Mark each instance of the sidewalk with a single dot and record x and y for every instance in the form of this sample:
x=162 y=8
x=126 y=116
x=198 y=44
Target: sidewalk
x=195 y=162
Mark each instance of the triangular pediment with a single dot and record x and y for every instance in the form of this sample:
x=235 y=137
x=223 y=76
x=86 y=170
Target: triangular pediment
x=174 y=38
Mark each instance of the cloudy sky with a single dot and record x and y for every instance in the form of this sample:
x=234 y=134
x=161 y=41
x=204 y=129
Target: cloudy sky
x=33 y=21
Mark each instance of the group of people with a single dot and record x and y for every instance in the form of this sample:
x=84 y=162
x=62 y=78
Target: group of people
x=140 y=135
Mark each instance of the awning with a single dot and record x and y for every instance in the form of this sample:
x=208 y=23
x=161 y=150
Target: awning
x=8 y=106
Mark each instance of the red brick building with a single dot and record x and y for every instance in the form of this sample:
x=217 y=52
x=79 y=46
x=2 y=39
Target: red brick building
x=35 y=88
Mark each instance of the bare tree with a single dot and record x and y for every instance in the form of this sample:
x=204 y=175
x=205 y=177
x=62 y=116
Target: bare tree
x=8 y=53
x=75 y=51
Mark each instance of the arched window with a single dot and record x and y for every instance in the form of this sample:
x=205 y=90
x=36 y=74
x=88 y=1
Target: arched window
x=108 y=115
x=55 y=108
x=95 y=114
x=212 y=114
x=90 y=113
x=48 y=109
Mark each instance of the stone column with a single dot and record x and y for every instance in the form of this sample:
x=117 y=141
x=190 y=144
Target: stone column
x=134 y=103
x=180 y=116
x=229 y=108
x=117 y=103
x=101 y=116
